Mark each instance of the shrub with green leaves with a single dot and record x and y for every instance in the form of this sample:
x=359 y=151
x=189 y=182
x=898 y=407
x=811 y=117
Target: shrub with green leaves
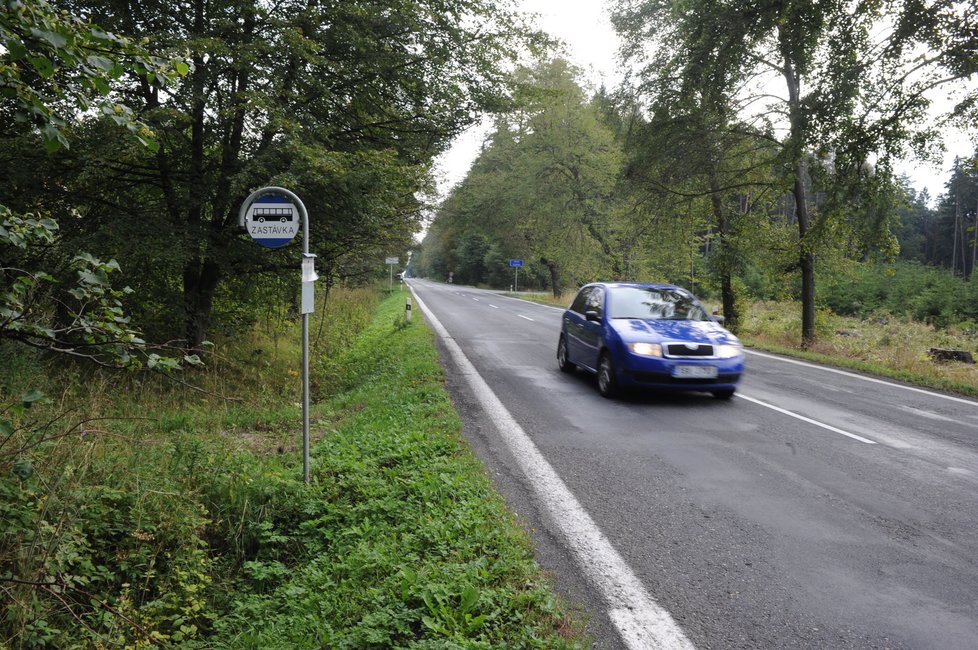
x=924 y=293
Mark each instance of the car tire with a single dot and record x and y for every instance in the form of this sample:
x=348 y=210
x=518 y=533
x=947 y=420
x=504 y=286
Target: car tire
x=562 y=362
x=724 y=394
x=607 y=385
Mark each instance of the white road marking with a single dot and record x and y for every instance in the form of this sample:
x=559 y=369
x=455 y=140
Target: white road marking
x=864 y=378
x=525 y=317
x=494 y=306
x=476 y=299
x=642 y=623
x=925 y=414
x=804 y=419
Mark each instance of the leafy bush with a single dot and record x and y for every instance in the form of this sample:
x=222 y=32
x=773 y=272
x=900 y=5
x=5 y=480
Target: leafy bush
x=925 y=293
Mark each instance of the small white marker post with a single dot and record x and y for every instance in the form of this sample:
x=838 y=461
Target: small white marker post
x=407 y=310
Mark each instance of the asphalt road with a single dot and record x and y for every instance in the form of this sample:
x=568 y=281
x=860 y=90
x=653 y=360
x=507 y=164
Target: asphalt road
x=817 y=509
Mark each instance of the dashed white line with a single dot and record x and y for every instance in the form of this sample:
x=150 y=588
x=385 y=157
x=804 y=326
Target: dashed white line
x=493 y=306
x=642 y=623
x=808 y=420
x=525 y=317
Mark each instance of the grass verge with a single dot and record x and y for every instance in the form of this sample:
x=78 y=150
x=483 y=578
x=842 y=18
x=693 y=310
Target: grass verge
x=884 y=345
x=413 y=548
x=136 y=512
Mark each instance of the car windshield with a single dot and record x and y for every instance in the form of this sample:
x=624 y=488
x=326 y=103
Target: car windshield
x=654 y=303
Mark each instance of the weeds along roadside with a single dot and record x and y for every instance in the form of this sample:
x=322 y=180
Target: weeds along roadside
x=181 y=519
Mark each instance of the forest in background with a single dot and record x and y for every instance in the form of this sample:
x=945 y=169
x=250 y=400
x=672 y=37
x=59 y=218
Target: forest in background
x=525 y=199
x=751 y=150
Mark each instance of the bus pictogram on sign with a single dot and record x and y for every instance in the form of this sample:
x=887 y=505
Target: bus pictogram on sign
x=261 y=215
x=271 y=220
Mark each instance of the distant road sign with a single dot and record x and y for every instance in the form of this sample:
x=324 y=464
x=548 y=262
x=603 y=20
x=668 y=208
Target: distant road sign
x=516 y=262
x=393 y=260
x=272 y=220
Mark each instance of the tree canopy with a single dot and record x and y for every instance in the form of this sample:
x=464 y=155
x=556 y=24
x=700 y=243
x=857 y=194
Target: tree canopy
x=345 y=104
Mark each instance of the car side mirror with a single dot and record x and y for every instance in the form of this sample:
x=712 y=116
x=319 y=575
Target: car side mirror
x=592 y=316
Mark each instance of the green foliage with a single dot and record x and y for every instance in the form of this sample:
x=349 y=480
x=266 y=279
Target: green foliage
x=89 y=322
x=924 y=293
x=541 y=191
x=471 y=255
x=194 y=528
x=829 y=137
x=345 y=104
x=53 y=64
x=410 y=546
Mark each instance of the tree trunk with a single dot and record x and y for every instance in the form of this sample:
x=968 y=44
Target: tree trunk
x=200 y=274
x=200 y=279
x=724 y=253
x=796 y=151
x=806 y=260
x=554 y=279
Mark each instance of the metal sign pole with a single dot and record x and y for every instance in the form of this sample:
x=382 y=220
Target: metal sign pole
x=306 y=309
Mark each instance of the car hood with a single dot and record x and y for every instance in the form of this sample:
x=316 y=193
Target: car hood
x=635 y=329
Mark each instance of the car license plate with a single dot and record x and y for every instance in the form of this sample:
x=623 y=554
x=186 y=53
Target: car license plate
x=694 y=372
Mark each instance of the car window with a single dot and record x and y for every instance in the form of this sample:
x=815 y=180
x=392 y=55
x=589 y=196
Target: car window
x=580 y=300
x=595 y=301
x=655 y=303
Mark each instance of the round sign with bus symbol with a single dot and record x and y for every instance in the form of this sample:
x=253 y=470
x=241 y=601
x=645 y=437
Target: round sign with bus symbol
x=272 y=220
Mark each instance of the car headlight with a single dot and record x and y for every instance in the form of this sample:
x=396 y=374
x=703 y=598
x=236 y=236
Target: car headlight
x=729 y=351
x=646 y=349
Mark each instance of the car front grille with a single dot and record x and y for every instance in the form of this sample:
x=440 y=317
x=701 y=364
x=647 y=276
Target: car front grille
x=689 y=350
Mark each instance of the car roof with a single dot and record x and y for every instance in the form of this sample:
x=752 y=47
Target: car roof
x=637 y=285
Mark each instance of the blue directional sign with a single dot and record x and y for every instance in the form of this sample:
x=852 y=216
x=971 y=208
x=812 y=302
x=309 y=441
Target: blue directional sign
x=272 y=220
x=516 y=263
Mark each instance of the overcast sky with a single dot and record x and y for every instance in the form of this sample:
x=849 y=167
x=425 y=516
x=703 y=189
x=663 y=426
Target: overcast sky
x=592 y=45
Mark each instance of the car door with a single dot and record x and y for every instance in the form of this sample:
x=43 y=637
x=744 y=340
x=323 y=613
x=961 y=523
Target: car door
x=591 y=329
x=574 y=326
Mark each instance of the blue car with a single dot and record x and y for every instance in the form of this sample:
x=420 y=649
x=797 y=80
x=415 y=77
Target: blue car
x=650 y=336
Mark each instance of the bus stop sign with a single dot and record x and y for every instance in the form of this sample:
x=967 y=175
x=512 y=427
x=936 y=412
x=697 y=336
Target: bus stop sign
x=272 y=220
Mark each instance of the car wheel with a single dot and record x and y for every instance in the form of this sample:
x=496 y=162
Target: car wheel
x=607 y=385
x=724 y=394
x=562 y=362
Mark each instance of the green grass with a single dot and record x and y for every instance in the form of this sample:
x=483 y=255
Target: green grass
x=420 y=551
x=883 y=345
x=178 y=517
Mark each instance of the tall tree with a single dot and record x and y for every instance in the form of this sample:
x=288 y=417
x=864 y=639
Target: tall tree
x=847 y=99
x=543 y=186
x=346 y=101
x=54 y=67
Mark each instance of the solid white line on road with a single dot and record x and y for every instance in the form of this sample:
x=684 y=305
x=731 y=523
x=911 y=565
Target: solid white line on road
x=642 y=623
x=864 y=378
x=804 y=419
x=525 y=317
